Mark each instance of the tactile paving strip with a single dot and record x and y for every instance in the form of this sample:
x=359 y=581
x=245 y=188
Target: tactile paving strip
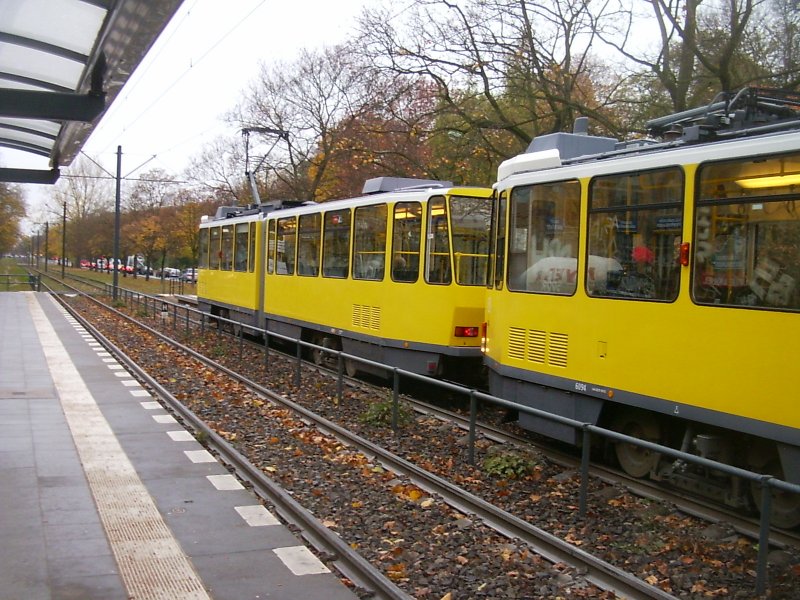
x=151 y=562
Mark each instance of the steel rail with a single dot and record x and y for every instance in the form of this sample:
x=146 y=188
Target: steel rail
x=697 y=507
x=554 y=549
x=333 y=549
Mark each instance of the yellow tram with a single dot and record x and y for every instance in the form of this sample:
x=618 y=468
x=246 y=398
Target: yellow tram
x=397 y=276
x=654 y=288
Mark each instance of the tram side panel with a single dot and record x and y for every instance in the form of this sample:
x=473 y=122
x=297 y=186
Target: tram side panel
x=386 y=290
x=230 y=269
x=377 y=319
x=679 y=296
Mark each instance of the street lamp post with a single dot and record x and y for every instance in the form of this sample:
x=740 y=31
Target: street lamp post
x=117 y=260
x=63 y=239
x=46 y=245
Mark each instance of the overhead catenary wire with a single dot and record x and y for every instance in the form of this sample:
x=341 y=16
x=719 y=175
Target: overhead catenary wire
x=156 y=99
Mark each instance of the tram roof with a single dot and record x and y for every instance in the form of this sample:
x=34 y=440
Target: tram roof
x=417 y=194
x=751 y=121
x=62 y=64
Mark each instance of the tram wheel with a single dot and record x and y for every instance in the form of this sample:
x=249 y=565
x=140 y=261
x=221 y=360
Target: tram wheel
x=318 y=354
x=785 y=506
x=351 y=367
x=635 y=460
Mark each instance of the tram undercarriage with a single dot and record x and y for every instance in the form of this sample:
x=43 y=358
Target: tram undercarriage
x=745 y=451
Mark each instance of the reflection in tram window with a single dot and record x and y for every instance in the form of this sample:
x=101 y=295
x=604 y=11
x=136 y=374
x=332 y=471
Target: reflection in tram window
x=308 y=245
x=286 y=246
x=271 y=247
x=747 y=234
x=543 y=256
x=336 y=244
x=406 y=232
x=202 y=249
x=437 y=257
x=226 y=261
x=470 y=219
x=241 y=247
x=214 y=253
x=635 y=232
x=251 y=253
x=369 y=243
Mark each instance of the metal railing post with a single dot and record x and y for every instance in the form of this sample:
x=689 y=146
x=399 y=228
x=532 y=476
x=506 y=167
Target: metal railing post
x=339 y=378
x=298 y=364
x=584 y=489
x=395 y=397
x=763 y=535
x=473 y=420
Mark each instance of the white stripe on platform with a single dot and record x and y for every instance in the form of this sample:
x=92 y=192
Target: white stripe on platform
x=200 y=456
x=257 y=515
x=225 y=482
x=300 y=560
x=164 y=419
x=151 y=563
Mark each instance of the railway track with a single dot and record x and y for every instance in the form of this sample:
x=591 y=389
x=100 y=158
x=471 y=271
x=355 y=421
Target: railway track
x=596 y=571
x=698 y=507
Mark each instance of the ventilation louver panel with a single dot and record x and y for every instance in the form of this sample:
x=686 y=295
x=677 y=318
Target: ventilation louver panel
x=538 y=347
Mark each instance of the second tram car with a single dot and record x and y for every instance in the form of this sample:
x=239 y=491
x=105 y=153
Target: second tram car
x=654 y=288
x=397 y=276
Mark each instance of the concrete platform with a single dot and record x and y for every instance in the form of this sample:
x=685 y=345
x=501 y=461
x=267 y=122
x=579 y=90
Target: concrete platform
x=105 y=496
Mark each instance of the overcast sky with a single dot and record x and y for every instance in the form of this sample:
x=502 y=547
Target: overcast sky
x=208 y=53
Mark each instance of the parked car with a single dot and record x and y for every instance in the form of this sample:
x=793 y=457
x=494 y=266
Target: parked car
x=189 y=275
x=171 y=273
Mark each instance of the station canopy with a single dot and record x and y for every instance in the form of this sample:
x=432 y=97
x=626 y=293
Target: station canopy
x=62 y=64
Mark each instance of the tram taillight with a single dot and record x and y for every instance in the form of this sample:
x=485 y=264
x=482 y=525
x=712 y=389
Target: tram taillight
x=467 y=331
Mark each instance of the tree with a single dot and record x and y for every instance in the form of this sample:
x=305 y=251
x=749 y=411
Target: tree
x=12 y=211
x=87 y=193
x=704 y=47
x=153 y=189
x=390 y=139
x=312 y=100
x=504 y=70
x=220 y=170
x=185 y=226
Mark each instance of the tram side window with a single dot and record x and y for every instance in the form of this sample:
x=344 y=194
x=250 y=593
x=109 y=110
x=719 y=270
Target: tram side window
x=286 y=245
x=470 y=219
x=308 y=245
x=635 y=232
x=543 y=245
x=241 y=246
x=251 y=253
x=747 y=234
x=499 y=228
x=271 y=246
x=214 y=254
x=369 y=243
x=437 y=253
x=336 y=244
x=226 y=263
x=202 y=249
x=406 y=232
